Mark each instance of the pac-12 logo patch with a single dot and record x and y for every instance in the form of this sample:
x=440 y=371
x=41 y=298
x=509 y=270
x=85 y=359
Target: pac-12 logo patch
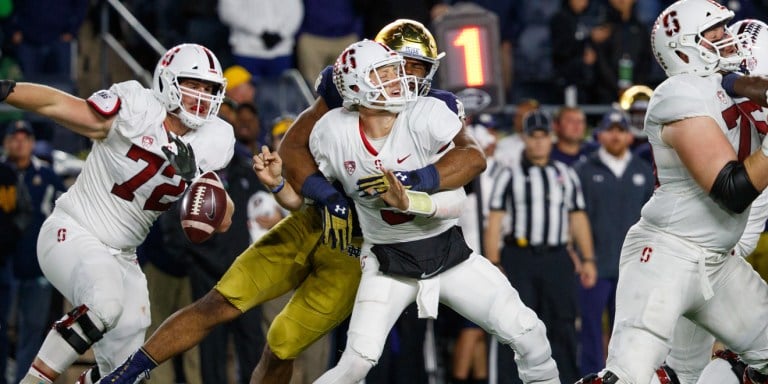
x=350 y=166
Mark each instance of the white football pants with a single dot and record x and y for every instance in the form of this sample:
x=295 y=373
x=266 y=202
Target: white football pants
x=107 y=280
x=662 y=278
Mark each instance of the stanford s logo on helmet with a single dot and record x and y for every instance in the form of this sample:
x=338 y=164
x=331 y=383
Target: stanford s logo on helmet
x=679 y=45
x=189 y=61
x=357 y=79
x=671 y=25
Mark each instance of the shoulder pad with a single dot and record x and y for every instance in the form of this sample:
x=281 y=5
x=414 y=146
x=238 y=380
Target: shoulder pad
x=105 y=102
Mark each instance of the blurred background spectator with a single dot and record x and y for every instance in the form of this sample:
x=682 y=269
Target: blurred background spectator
x=38 y=187
x=262 y=33
x=625 y=57
x=616 y=184
x=575 y=29
x=570 y=127
x=44 y=34
x=329 y=26
x=9 y=236
x=240 y=87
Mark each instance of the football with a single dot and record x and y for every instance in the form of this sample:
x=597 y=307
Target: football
x=203 y=207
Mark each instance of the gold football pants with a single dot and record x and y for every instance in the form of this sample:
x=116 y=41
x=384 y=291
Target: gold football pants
x=292 y=256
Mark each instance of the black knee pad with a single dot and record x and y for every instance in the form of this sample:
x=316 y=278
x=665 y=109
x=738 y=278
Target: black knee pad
x=78 y=330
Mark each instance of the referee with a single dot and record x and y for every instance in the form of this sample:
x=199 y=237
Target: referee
x=543 y=200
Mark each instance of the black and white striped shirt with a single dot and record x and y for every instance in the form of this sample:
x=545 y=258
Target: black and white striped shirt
x=538 y=201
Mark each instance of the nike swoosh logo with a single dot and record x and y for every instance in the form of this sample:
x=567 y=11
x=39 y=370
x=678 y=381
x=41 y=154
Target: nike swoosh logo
x=428 y=275
x=400 y=160
x=212 y=214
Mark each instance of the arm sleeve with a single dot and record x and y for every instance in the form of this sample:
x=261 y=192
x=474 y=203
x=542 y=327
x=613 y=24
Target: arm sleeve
x=449 y=204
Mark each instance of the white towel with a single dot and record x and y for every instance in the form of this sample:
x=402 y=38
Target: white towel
x=428 y=297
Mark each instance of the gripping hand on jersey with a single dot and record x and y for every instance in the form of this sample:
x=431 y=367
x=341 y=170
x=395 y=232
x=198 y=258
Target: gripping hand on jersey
x=335 y=208
x=183 y=161
x=423 y=180
x=337 y=223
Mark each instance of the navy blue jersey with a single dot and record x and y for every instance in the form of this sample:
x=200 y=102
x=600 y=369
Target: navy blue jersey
x=327 y=90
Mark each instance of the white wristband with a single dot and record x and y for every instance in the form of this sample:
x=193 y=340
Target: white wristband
x=764 y=146
x=420 y=203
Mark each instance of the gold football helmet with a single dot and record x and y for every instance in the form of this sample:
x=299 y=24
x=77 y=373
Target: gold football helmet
x=413 y=40
x=633 y=95
x=634 y=100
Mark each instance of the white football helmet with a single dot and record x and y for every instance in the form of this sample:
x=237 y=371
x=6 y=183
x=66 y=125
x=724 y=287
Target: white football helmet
x=358 y=82
x=189 y=61
x=678 y=43
x=757 y=31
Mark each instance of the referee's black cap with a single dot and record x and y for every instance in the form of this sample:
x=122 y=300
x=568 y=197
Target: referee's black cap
x=536 y=120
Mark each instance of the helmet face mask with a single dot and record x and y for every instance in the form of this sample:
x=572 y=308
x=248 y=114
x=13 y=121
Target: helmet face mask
x=196 y=63
x=413 y=40
x=757 y=32
x=370 y=74
x=679 y=39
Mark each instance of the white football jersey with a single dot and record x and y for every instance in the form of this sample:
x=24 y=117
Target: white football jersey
x=420 y=135
x=127 y=182
x=757 y=117
x=679 y=205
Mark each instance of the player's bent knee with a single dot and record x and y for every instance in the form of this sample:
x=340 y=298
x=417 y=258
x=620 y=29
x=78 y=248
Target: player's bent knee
x=518 y=326
x=287 y=339
x=510 y=319
x=107 y=313
x=295 y=329
x=281 y=342
x=352 y=368
x=366 y=347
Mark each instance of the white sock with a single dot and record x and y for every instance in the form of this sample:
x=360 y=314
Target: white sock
x=56 y=353
x=35 y=377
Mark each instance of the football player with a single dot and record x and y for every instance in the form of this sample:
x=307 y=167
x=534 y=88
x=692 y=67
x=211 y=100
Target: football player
x=148 y=144
x=413 y=248
x=676 y=261
x=293 y=255
x=690 y=344
x=689 y=360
